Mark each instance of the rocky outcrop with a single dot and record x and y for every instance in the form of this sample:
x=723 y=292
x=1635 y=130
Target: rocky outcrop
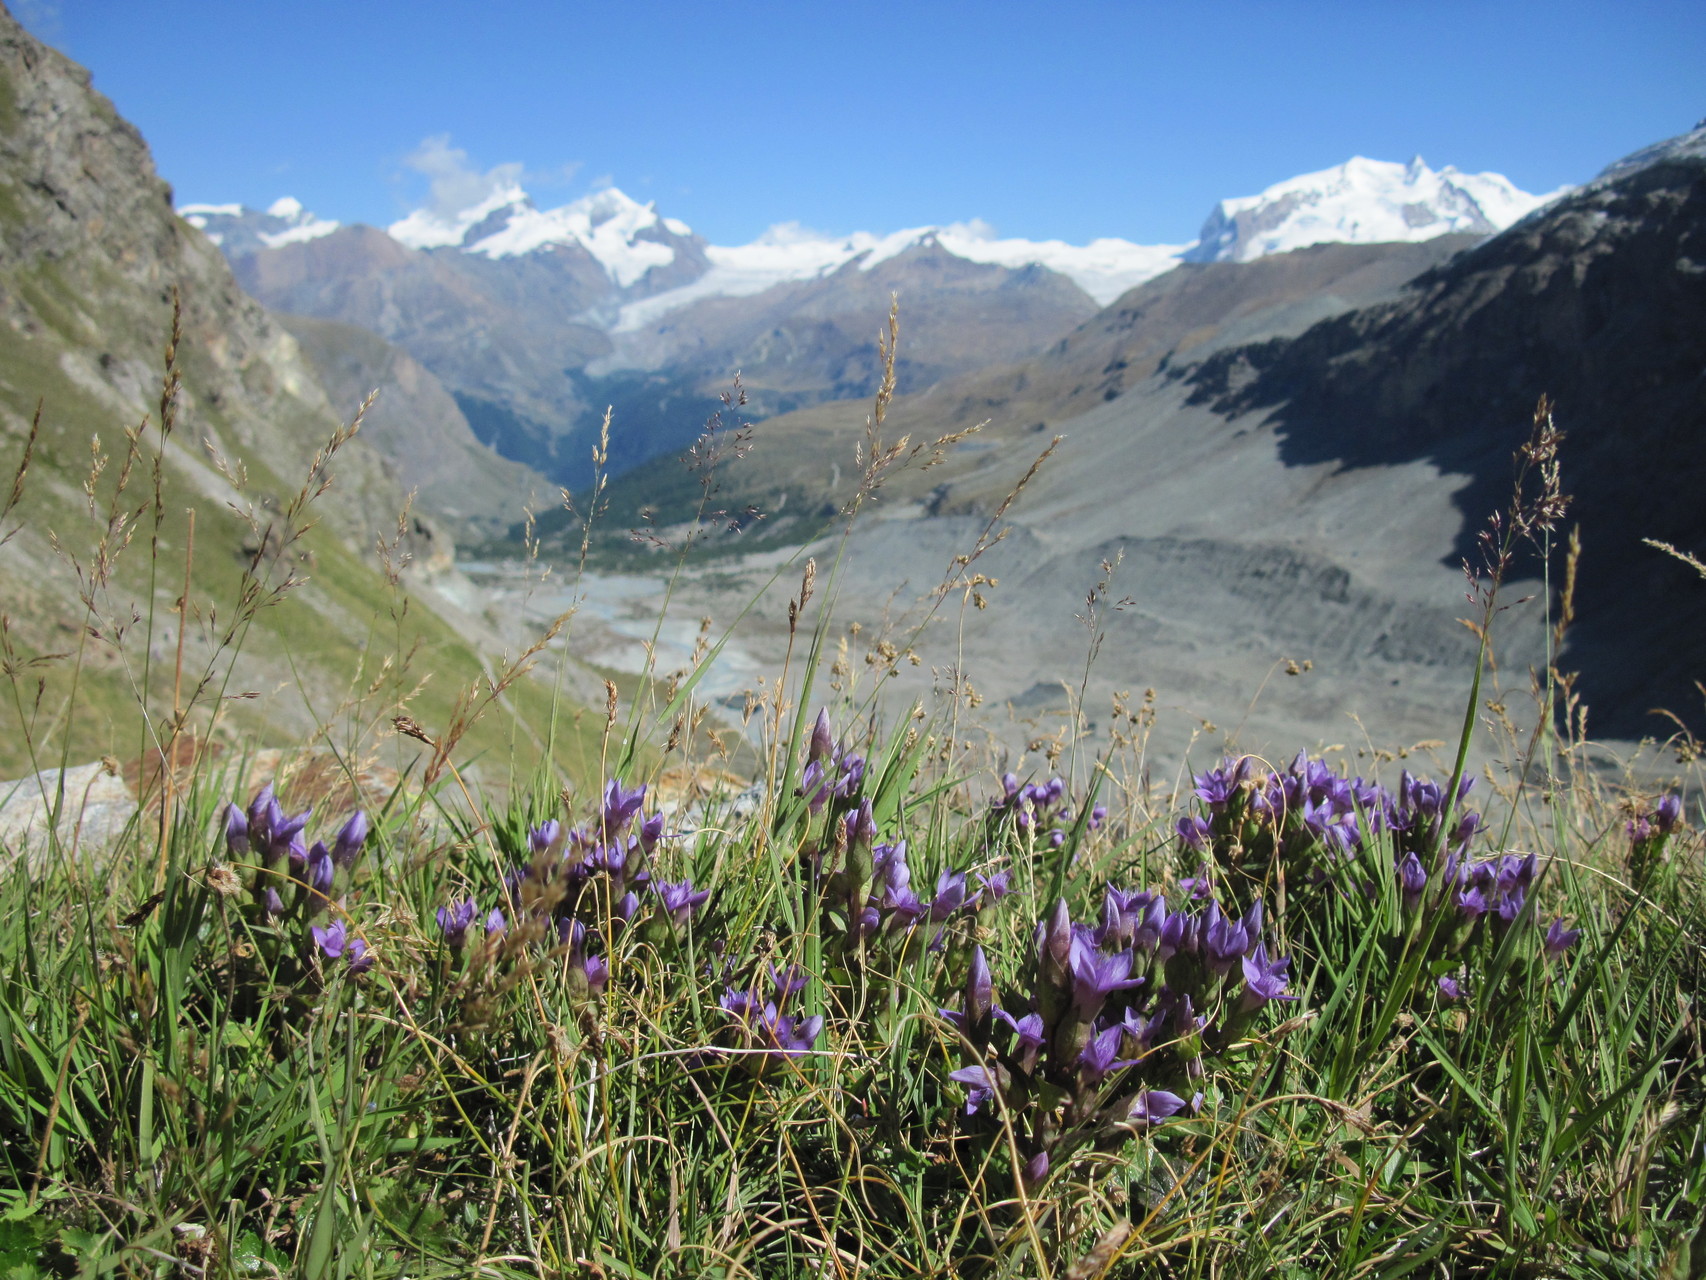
x=92 y=257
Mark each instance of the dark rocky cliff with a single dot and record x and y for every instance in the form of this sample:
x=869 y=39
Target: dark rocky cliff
x=1599 y=302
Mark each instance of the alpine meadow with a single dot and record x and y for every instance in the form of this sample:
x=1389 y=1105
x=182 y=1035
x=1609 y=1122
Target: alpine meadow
x=539 y=745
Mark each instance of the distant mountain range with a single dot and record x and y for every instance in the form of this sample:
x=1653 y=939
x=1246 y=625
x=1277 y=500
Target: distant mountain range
x=536 y=320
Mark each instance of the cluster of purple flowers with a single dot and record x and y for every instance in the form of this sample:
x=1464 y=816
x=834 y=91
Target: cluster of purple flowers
x=1044 y=809
x=583 y=884
x=293 y=878
x=761 y=1023
x=868 y=889
x=1117 y=1019
x=1308 y=806
x=1313 y=817
x=892 y=907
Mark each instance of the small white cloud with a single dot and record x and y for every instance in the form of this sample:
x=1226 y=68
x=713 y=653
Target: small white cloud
x=453 y=183
x=284 y=207
x=976 y=229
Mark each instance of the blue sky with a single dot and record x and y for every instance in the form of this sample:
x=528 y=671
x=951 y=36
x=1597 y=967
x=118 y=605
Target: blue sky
x=1066 y=120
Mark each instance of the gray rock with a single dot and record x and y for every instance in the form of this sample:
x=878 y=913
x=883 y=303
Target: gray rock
x=93 y=806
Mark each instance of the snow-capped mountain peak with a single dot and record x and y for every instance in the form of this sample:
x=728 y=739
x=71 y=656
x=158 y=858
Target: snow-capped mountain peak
x=1362 y=201
x=238 y=230
x=609 y=224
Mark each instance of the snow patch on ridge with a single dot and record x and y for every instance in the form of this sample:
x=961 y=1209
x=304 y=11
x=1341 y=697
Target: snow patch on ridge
x=788 y=253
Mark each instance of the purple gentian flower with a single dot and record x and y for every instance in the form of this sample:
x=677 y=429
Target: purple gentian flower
x=1511 y=904
x=1412 y=879
x=1095 y=977
x=626 y=908
x=852 y=774
x=357 y=957
x=351 y=836
x=980 y=988
x=1035 y=1170
x=1223 y=940
x=813 y=785
x=1668 y=814
x=1029 y=1036
x=1147 y=933
x=739 y=1004
x=1218 y=786
x=1264 y=979
x=1195 y=832
x=950 y=895
x=888 y=865
x=787 y=1035
x=904 y=908
x=862 y=824
x=1178 y=933
x=455 y=920
x=597 y=972
x=995 y=887
x=679 y=900
x=1450 y=988
x=1558 y=939
x=320 y=870
x=823 y=737
x=1101 y=1056
x=1472 y=903
x=495 y=922
x=1152 y=1106
x=542 y=837
x=285 y=835
x=620 y=806
x=334 y=941
x=1054 y=938
x=264 y=810
x=236 y=830
x=982 y=1083
x=787 y=982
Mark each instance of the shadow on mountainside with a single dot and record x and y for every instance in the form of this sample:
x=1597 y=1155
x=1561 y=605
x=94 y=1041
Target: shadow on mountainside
x=1599 y=302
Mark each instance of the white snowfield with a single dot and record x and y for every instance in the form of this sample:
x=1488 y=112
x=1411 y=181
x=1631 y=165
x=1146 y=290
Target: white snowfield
x=1361 y=201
